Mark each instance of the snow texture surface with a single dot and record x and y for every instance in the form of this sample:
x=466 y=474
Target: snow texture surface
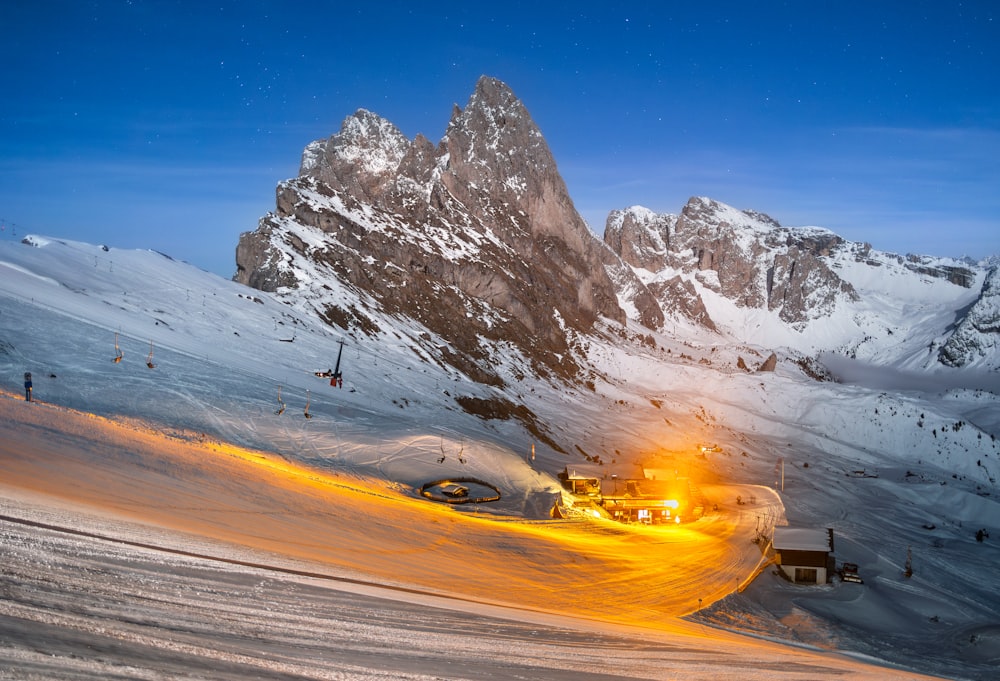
x=168 y=522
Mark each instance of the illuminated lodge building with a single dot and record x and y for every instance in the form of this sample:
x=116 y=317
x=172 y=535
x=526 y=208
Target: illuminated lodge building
x=634 y=494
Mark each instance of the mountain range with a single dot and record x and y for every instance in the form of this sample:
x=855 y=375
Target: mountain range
x=480 y=227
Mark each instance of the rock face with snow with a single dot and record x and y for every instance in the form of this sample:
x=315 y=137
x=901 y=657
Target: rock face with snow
x=745 y=256
x=478 y=228
x=976 y=340
x=712 y=262
x=476 y=242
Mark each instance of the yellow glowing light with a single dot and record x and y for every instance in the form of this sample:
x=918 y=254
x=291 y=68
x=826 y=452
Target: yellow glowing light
x=359 y=525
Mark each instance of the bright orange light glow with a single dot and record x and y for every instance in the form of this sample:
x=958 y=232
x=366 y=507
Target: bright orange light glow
x=346 y=525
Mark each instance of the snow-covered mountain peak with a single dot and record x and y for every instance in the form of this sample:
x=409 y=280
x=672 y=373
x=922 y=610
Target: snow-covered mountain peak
x=644 y=234
x=636 y=213
x=496 y=115
x=479 y=228
x=499 y=166
x=367 y=147
x=804 y=288
x=710 y=214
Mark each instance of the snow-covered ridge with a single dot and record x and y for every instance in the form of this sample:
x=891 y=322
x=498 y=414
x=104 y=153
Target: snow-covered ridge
x=976 y=340
x=806 y=289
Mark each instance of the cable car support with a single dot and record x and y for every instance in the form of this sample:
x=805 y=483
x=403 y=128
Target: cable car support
x=281 y=405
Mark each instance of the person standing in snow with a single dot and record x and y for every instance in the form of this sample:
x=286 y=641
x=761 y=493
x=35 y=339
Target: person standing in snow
x=27 y=386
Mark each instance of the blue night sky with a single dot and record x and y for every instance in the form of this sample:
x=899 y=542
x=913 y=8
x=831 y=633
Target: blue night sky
x=167 y=125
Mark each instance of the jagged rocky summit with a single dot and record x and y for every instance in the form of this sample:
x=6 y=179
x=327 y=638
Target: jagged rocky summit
x=746 y=257
x=712 y=259
x=478 y=228
x=475 y=242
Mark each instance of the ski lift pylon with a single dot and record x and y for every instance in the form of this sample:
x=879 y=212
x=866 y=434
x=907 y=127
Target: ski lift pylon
x=337 y=378
x=149 y=358
x=306 y=411
x=281 y=405
x=118 y=351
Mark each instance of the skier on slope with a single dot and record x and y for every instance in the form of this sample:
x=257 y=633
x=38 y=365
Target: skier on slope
x=27 y=386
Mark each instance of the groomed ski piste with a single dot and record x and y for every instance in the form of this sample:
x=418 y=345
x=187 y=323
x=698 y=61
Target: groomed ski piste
x=167 y=522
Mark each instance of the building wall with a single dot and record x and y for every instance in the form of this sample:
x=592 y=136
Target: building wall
x=804 y=567
x=801 y=574
x=815 y=559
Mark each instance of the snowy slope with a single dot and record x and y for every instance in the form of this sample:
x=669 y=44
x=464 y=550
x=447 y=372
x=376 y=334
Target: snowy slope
x=222 y=351
x=810 y=291
x=899 y=318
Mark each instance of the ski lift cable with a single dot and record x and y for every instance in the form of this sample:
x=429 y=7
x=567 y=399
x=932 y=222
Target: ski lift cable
x=167 y=283
x=248 y=370
x=163 y=282
x=154 y=282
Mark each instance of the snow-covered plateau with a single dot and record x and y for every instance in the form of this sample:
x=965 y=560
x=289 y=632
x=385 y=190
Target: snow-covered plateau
x=206 y=506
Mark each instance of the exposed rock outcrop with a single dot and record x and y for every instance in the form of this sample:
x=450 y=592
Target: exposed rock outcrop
x=640 y=237
x=769 y=364
x=976 y=339
x=744 y=256
x=479 y=228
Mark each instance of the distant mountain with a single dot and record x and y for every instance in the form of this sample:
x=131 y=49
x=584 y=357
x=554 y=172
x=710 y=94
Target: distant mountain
x=808 y=288
x=476 y=240
x=744 y=256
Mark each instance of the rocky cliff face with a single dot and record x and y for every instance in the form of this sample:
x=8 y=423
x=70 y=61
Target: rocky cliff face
x=476 y=242
x=478 y=228
x=976 y=340
x=744 y=256
x=832 y=294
